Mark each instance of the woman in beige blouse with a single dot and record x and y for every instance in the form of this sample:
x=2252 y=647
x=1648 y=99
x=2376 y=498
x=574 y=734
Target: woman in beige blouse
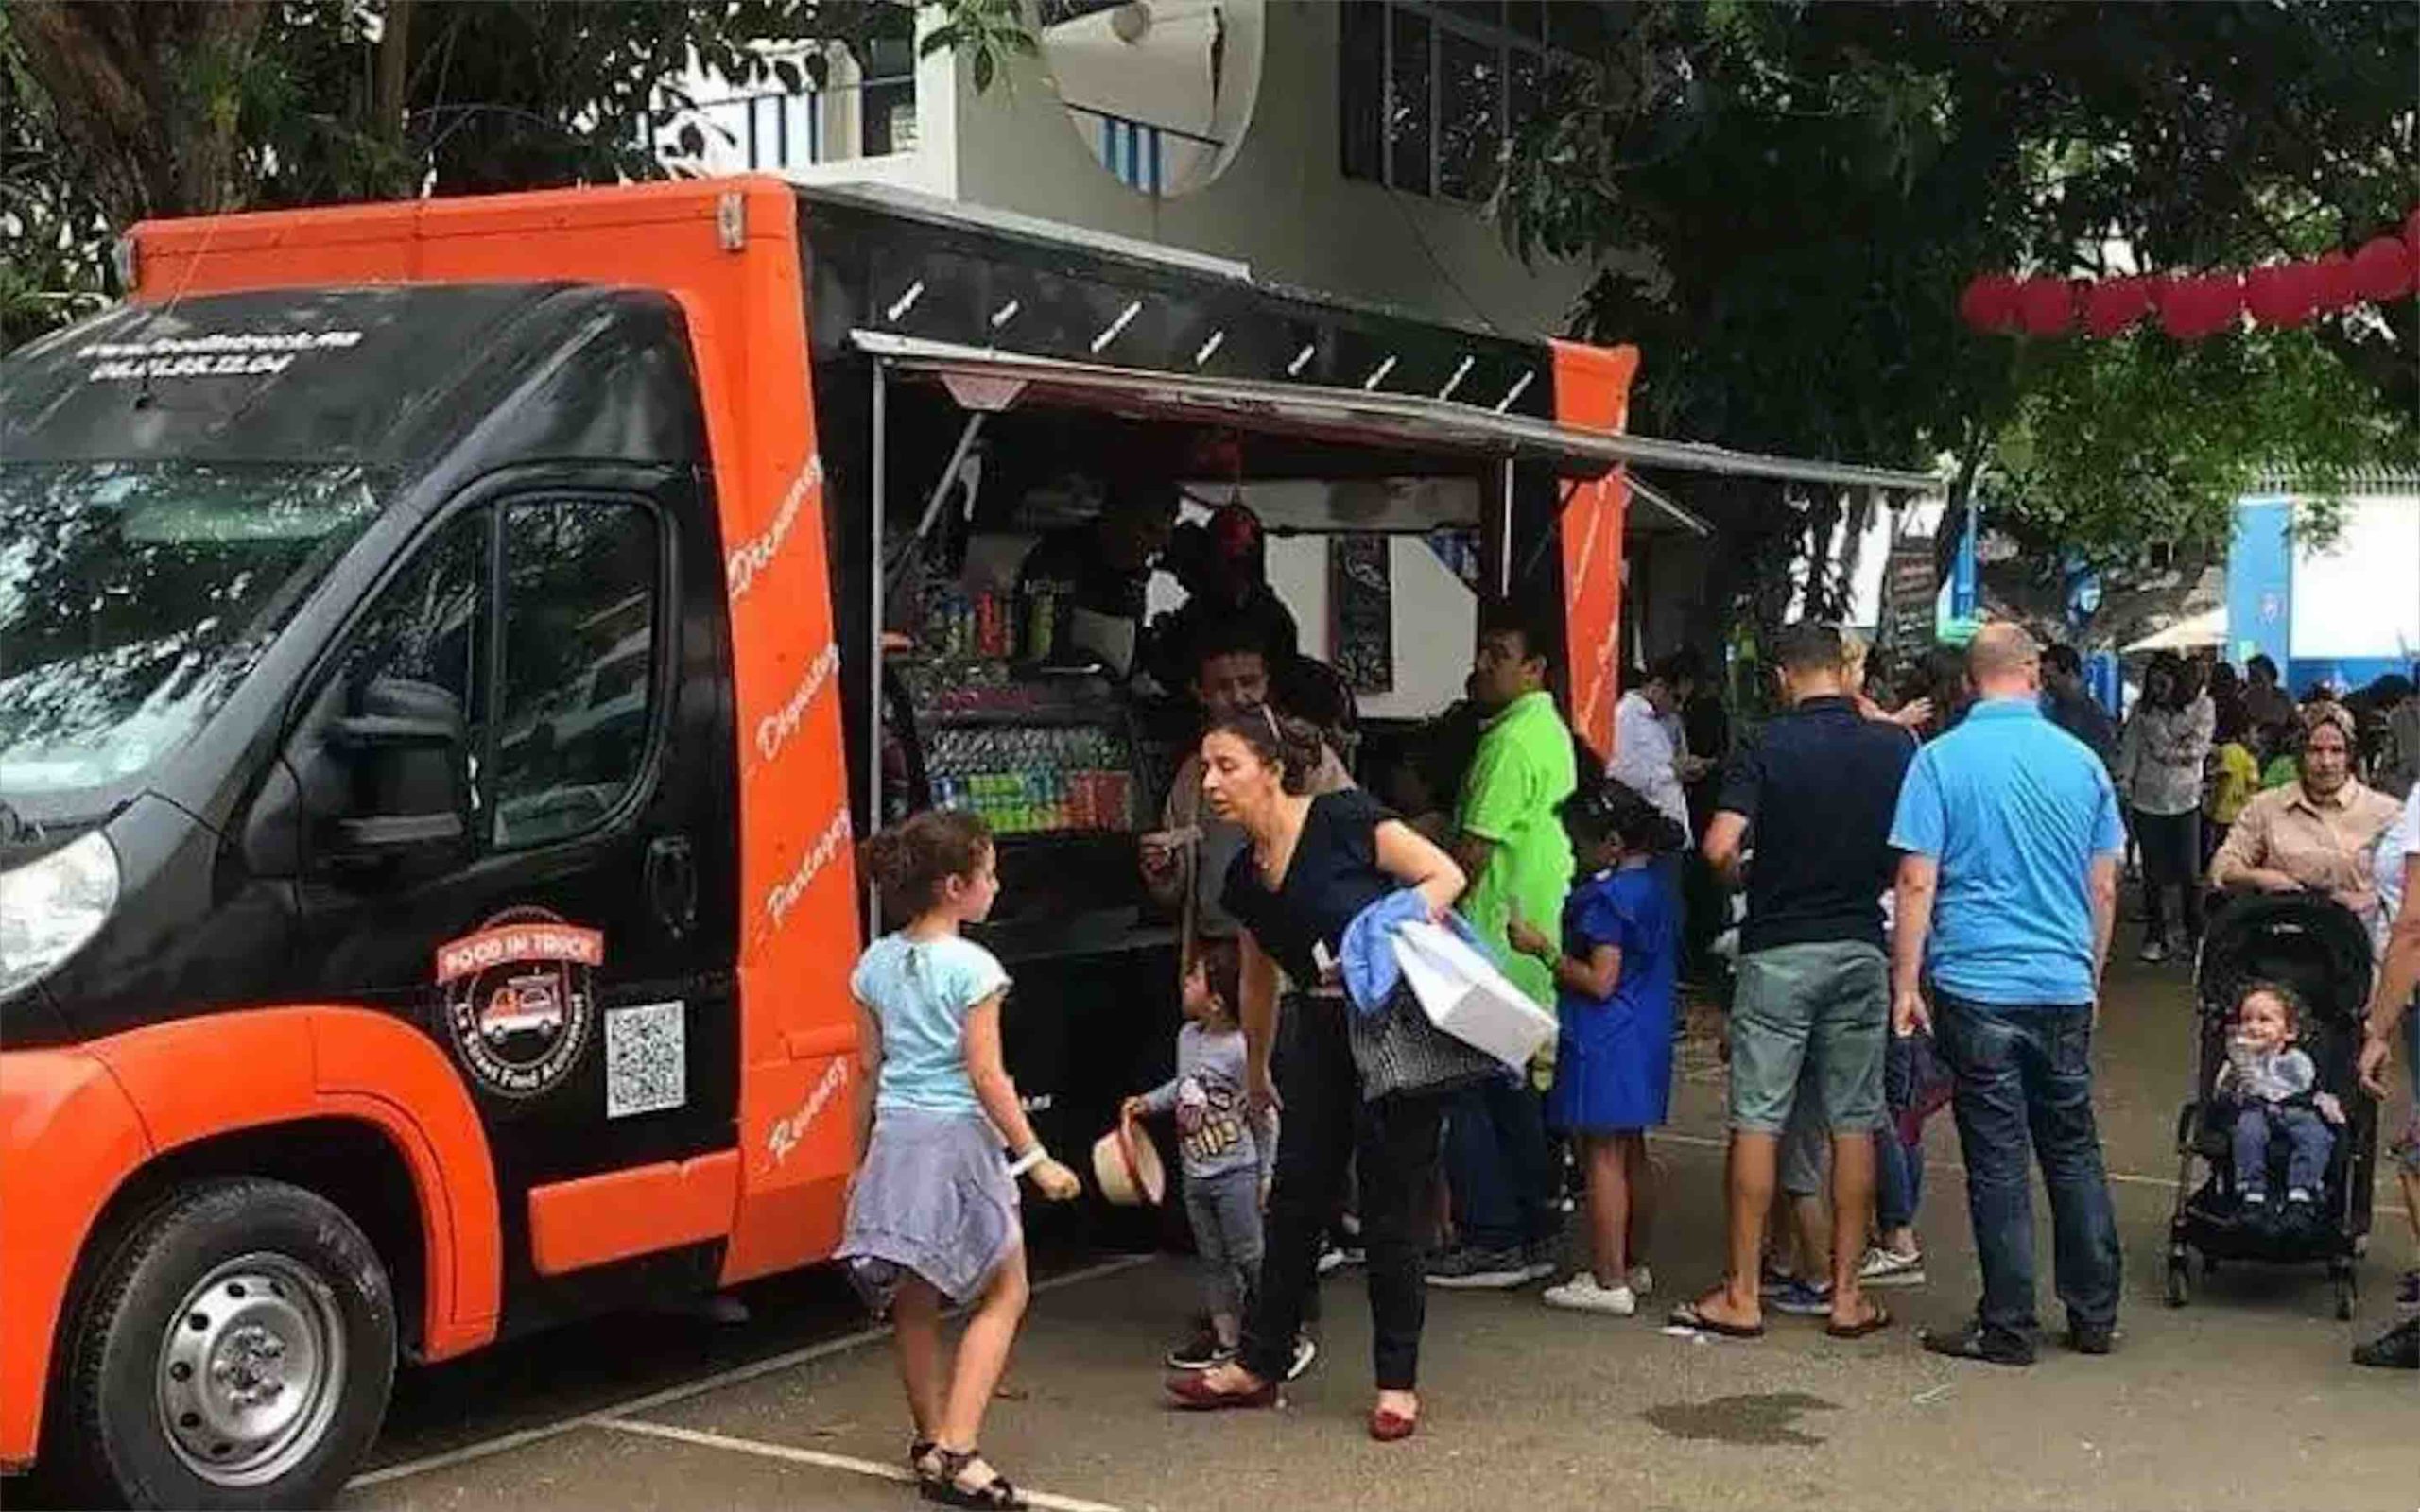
x=2316 y=834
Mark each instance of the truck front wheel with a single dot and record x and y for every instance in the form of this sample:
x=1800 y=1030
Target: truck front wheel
x=234 y=1351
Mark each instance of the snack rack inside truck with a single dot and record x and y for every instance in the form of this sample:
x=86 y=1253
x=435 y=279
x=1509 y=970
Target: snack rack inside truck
x=448 y=651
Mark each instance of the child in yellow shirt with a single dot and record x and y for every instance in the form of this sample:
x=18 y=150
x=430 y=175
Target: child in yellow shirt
x=2229 y=778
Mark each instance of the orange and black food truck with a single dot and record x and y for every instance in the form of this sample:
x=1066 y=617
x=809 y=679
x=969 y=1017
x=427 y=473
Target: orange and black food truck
x=447 y=652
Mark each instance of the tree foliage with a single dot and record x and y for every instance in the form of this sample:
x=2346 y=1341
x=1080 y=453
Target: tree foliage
x=1786 y=200
x=121 y=108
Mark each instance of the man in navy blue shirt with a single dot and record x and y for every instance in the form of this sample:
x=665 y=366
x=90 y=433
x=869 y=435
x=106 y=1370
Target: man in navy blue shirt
x=1812 y=1004
x=2005 y=897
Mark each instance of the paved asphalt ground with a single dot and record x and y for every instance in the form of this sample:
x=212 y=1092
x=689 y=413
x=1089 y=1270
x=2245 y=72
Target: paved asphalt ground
x=2244 y=1400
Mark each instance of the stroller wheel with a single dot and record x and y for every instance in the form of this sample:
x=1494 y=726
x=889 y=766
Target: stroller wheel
x=2179 y=1281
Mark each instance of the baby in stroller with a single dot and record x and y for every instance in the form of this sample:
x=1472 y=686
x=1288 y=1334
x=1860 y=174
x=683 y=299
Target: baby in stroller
x=2271 y=1088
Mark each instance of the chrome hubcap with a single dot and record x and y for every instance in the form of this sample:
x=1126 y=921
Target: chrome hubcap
x=251 y=1369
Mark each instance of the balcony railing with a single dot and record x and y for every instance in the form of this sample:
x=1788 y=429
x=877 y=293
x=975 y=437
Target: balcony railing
x=1136 y=151
x=778 y=130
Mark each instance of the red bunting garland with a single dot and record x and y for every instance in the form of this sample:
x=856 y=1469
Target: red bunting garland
x=2191 y=307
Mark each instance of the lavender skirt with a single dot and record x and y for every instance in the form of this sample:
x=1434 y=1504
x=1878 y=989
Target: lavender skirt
x=934 y=1199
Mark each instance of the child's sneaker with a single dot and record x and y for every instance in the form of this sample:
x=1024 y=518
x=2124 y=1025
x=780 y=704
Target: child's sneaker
x=1469 y=1268
x=1332 y=1258
x=1203 y=1351
x=1306 y=1351
x=1582 y=1295
x=1888 y=1267
x=1801 y=1298
x=1641 y=1281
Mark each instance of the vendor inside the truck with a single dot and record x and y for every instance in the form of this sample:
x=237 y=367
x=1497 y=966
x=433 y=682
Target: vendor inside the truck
x=1090 y=580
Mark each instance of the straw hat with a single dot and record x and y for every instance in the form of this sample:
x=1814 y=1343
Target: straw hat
x=1126 y=1166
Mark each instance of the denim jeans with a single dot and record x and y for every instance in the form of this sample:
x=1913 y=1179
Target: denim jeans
x=1224 y=1210
x=1899 y=1169
x=2025 y=1086
x=2309 y=1144
x=1495 y=1156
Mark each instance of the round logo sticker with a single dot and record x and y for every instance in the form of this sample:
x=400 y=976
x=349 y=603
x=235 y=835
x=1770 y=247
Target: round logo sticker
x=518 y=1004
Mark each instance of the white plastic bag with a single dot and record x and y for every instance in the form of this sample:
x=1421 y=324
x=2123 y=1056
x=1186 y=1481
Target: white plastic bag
x=1466 y=996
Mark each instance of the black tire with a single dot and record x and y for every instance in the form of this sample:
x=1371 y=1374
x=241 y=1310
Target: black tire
x=113 y=1443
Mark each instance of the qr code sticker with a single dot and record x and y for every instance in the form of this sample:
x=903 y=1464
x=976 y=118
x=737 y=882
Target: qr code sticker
x=647 y=1061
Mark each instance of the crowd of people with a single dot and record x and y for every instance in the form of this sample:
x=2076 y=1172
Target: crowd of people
x=1930 y=887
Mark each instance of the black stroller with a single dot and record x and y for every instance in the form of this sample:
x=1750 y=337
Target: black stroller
x=2322 y=950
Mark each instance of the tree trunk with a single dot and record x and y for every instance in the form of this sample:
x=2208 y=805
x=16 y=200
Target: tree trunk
x=389 y=96
x=148 y=94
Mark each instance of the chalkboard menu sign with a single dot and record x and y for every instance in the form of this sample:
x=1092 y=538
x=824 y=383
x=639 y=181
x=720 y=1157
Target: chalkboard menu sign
x=1909 y=587
x=1361 y=604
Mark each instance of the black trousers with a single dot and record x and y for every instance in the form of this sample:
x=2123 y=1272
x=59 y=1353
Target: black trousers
x=2171 y=851
x=1323 y=1123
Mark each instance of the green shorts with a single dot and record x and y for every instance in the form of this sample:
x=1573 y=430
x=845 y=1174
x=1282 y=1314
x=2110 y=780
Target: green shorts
x=1819 y=1010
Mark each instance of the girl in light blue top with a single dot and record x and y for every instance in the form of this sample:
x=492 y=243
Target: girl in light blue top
x=933 y=1209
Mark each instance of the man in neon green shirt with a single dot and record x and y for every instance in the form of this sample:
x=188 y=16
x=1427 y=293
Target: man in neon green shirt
x=1511 y=844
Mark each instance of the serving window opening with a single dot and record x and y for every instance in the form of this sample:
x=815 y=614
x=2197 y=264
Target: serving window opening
x=1036 y=673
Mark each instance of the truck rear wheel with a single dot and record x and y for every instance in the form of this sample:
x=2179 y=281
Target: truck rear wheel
x=235 y=1351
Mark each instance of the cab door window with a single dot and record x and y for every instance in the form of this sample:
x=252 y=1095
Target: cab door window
x=577 y=658
x=426 y=627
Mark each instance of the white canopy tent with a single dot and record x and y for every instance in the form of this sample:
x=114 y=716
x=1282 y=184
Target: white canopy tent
x=2190 y=634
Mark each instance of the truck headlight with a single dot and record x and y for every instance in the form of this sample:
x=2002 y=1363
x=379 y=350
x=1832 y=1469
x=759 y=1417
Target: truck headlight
x=50 y=908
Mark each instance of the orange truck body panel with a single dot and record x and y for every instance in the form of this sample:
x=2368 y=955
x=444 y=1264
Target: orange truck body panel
x=1592 y=392
x=746 y=311
x=96 y=1112
x=597 y=1219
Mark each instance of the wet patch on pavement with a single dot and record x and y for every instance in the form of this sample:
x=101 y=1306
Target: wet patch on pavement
x=1759 y=1419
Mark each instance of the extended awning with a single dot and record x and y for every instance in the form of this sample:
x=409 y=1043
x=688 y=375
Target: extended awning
x=991 y=381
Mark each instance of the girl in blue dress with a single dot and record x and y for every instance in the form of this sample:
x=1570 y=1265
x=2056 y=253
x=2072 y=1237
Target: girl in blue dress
x=1615 y=972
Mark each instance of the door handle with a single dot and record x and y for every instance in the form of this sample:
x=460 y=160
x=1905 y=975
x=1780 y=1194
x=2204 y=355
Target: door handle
x=672 y=883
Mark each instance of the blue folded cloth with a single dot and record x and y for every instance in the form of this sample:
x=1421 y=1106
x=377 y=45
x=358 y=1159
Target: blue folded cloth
x=1369 y=964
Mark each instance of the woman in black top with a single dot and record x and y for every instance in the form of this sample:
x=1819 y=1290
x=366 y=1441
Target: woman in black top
x=1312 y=865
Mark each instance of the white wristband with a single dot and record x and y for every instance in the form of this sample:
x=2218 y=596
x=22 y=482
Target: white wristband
x=1028 y=1161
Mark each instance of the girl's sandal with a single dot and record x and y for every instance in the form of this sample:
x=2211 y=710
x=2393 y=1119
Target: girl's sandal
x=950 y=1489
x=920 y=1460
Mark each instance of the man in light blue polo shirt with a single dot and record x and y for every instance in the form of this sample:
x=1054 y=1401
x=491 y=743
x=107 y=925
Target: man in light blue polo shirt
x=2006 y=894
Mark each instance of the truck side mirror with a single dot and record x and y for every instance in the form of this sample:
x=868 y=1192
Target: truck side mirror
x=404 y=745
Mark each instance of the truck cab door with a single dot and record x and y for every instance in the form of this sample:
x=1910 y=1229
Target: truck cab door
x=570 y=943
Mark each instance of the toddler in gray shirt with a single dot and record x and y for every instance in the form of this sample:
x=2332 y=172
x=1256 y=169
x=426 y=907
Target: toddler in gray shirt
x=2273 y=1086
x=1227 y=1150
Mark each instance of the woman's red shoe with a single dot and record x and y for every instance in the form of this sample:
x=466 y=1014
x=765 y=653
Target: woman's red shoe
x=1389 y=1427
x=1193 y=1391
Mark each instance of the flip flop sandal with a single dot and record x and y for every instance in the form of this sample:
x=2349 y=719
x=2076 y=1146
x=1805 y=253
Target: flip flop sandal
x=1687 y=1315
x=994 y=1495
x=1874 y=1322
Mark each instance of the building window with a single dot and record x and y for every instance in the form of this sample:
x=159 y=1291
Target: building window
x=1431 y=90
x=829 y=103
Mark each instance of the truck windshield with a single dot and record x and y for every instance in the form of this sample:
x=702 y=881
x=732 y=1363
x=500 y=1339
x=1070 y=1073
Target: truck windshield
x=135 y=596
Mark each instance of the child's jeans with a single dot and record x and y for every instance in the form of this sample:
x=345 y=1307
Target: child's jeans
x=1225 y=1213
x=2307 y=1139
x=1899 y=1165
